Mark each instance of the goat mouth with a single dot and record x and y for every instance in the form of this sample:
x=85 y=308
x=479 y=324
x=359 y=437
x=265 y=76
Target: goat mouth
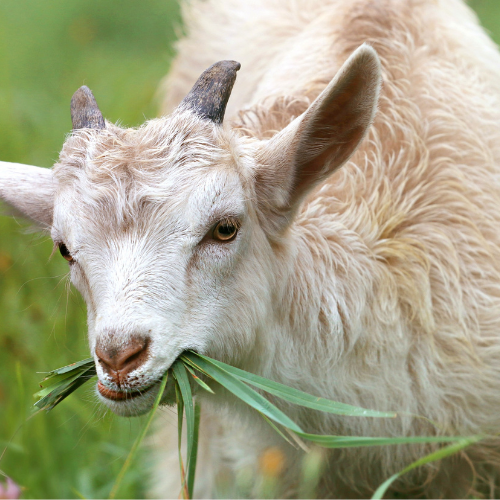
x=120 y=395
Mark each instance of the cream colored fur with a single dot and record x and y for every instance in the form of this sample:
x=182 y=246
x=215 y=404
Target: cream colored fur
x=380 y=289
x=390 y=277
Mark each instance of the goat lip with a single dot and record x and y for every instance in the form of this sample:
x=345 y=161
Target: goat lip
x=119 y=395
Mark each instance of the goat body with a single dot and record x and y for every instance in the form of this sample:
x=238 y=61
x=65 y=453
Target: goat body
x=388 y=282
x=377 y=286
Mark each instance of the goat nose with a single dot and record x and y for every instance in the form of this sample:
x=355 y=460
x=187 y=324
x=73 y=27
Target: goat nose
x=119 y=361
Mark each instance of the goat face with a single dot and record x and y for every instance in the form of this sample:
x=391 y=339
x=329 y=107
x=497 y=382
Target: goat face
x=174 y=231
x=163 y=245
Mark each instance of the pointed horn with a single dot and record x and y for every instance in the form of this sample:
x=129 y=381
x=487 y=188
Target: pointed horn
x=208 y=98
x=85 y=112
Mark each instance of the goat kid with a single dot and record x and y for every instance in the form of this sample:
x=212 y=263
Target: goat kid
x=378 y=286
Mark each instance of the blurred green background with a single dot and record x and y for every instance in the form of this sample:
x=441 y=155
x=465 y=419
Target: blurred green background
x=121 y=49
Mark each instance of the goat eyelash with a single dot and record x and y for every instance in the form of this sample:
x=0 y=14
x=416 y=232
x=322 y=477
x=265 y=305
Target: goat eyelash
x=229 y=220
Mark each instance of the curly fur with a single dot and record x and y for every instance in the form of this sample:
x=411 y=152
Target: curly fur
x=402 y=244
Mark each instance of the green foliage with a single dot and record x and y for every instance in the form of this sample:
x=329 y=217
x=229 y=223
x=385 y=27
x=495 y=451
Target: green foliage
x=288 y=393
x=61 y=382
x=489 y=15
x=445 y=452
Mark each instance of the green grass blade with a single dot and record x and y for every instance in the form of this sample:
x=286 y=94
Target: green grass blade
x=278 y=430
x=60 y=383
x=360 y=441
x=63 y=381
x=187 y=398
x=180 y=416
x=181 y=376
x=62 y=390
x=57 y=387
x=53 y=382
x=242 y=391
x=194 y=453
x=225 y=378
x=198 y=379
x=432 y=457
x=83 y=364
x=294 y=395
x=139 y=439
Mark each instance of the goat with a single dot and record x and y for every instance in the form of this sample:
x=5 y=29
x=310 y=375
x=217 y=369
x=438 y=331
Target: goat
x=348 y=252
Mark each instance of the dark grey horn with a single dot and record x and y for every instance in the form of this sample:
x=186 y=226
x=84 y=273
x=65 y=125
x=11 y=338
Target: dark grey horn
x=208 y=98
x=85 y=112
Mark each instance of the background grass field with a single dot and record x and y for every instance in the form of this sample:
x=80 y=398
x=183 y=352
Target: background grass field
x=121 y=49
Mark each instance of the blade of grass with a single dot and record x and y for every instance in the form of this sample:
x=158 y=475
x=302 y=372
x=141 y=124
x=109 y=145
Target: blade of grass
x=49 y=384
x=243 y=392
x=180 y=375
x=278 y=430
x=57 y=387
x=432 y=457
x=300 y=442
x=62 y=391
x=139 y=439
x=294 y=395
x=63 y=381
x=60 y=383
x=84 y=363
x=180 y=416
x=198 y=379
x=194 y=454
x=360 y=441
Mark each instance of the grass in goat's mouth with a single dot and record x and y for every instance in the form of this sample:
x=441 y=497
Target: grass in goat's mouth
x=60 y=383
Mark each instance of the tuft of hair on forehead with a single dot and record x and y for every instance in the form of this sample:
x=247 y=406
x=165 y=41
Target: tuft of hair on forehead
x=144 y=154
x=118 y=175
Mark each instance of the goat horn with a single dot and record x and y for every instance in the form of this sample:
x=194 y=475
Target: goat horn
x=85 y=112
x=208 y=98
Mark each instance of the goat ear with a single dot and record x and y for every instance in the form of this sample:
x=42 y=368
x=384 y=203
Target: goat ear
x=29 y=191
x=322 y=139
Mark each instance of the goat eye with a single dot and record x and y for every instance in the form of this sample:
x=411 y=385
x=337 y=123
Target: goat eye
x=225 y=231
x=65 y=252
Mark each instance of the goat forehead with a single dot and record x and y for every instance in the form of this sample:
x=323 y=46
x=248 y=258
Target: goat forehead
x=159 y=147
x=185 y=201
x=172 y=171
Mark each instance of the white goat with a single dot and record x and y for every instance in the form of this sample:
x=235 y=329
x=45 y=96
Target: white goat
x=378 y=286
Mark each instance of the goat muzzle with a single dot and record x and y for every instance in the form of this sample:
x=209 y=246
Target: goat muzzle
x=119 y=362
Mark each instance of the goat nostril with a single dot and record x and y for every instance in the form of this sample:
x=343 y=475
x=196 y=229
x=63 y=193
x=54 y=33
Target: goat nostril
x=122 y=359
x=129 y=356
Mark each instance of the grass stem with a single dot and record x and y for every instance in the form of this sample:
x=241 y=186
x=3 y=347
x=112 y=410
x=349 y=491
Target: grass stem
x=139 y=439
